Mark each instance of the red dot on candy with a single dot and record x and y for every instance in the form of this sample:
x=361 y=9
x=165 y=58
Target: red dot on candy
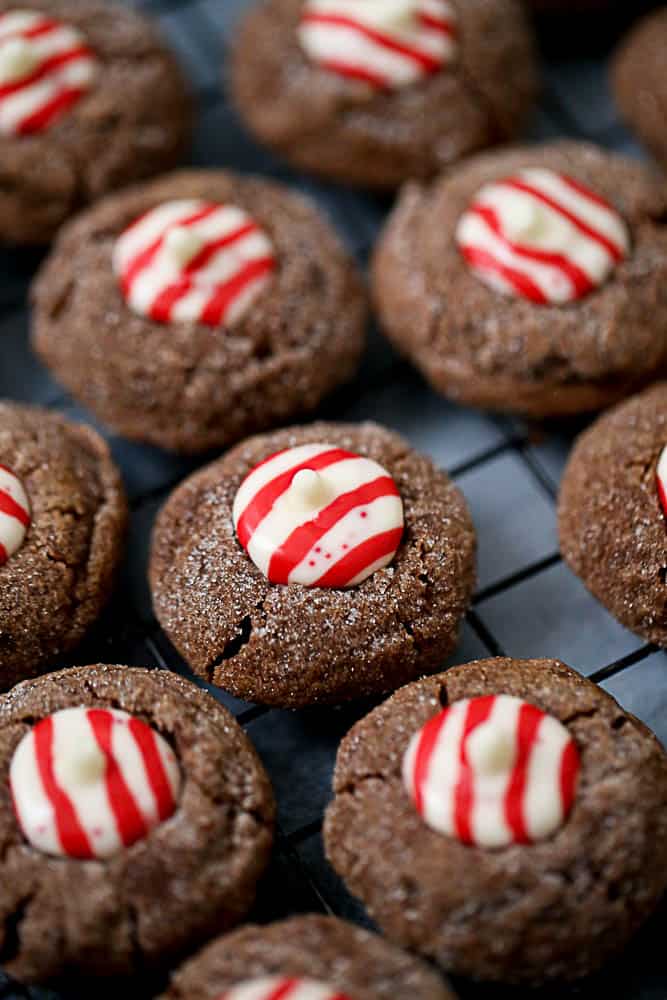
x=327 y=555
x=345 y=546
x=311 y=562
x=364 y=513
x=318 y=548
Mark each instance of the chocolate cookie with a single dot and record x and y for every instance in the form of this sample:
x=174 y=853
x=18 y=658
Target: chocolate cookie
x=518 y=818
x=142 y=819
x=62 y=526
x=612 y=510
x=322 y=958
x=530 y=280
x=640 y=84
x=90 y=100
x=374 y=93
x=358 y=570
x=199 y=308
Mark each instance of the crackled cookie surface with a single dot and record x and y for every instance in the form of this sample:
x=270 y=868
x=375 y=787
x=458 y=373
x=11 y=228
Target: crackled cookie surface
x=199 y=308
x=530 y=280
x=62 y=528
x=118 y=780
x=486 y=788
x=90 y=100
x=361 y=619
x=372 y=92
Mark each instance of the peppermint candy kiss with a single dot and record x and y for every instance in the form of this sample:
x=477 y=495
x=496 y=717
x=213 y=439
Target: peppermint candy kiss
x=542 y=236
x=193 y=261
x=319 y=516
x=14 y=514
x=87 y=782
x=282 y=988
x=45 y=69
x=492 y=771
x=661 y=478
x=384 y=43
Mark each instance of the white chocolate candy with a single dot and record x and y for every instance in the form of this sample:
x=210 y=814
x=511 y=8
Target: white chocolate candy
x=319 y=516
x=193 y=261
x=542 y=236
x=45 y=69
x=492 y=771
x=14 y=514
x=282 y=988
x=385 y=43
x=87 y=782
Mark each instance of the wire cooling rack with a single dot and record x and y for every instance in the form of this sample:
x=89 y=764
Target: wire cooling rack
x=527 y=603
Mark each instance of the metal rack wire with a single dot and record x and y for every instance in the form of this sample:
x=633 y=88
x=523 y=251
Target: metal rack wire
x=527 y=602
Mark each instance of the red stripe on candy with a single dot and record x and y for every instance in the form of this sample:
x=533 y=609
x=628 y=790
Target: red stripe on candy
x=519 y=185
x=212 y=248
x=300 y=542
x=225 y=294
x=155 y=771
x=264 y=499
x=71 y=833
x=3 y=555
x=529 y=721
x=437 y=24
x=48 y=66
x=478 y=711
x=426 y=744
x=569 y=772
x=129 y=820
x=144 y=258
x=356 y=72
x=46 y=114
x=584 y=191
x=360 y=557
x=481 y=259
x=10 y=507
x=580 y=280
x=662 y=494
x=423 y=59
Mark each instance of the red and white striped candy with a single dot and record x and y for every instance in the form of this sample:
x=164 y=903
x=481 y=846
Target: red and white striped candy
x=282 y=988
x=193 y=261
x=542 y=236
x=492 y=771
x=87 y=782
x=384 y=43
x=318 y=515
x=14 y=514
x=45 y=68
x=661 y=478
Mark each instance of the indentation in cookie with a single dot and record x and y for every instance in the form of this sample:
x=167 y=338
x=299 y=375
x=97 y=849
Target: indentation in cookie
x=14 y=514
x=87 y=782
x=45 y=69
x=492 y=771
x=542 y=236
x=319 y=515
x=384 y=43
x=193 y=261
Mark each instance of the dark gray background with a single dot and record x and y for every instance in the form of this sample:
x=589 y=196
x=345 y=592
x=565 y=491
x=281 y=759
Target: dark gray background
x=527 y=604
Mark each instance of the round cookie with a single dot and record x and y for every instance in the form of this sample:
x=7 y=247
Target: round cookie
x=612 y=509
x=62 y=526
x=577 y=316
x=323 y=951
x=419 y=117
x=294 y=645
x=552 y=908
x=124 y=116
x=191 y=341
x=105 y=917
x=639 y=83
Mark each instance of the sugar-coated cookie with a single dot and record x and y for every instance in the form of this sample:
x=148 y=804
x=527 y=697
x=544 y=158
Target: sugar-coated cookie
x=518 y=818
x=304 y=958
x=136 y=818
x=531 y=280
x=62 y=526
x=90 y=100
x=199 y=308
x=612 y=512
x=315 y=564
x=372 y=92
